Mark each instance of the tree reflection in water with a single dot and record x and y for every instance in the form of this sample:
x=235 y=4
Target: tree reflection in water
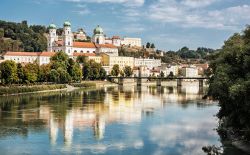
x=144 y=119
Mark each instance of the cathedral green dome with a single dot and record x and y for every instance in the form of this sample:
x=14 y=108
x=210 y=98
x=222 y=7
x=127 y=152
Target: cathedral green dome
x=52 y=26
x=98 y=30
x=67 y=23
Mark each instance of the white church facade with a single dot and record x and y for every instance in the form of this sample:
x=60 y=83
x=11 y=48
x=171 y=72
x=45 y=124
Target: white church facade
x=69 y=46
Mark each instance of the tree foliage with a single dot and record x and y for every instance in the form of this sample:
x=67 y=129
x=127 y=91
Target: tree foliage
x=24 y=37
x=230 y=82
x=8 y=71
x=127 y=71
x=61 y=69
x=93 y=71
x=115 y=70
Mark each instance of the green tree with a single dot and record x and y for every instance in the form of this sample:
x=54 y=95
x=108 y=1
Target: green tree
x=60 y=59
x=230 y=83
x=81 y=59
x=115 y=70
x=77 y=73
x=64 y=76
x=1 y=32
x=20 y=73
x=162 y=74
x=128 y=71
x=122 y=73
x=148 y=45
x=8 y=70
x=31 y=71
x=44 y=73
x=171 y=75
x=103 y=73
x=86 y=71
x=54 y=76
x=152 y=45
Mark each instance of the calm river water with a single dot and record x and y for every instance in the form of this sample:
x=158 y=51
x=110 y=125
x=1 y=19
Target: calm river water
x=114 y=120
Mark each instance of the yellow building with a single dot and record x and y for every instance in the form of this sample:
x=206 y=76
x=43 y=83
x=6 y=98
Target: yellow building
x=119 y=60
x=97 y=59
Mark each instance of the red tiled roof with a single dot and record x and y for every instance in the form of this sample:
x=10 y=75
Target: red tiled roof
x=49 y=54
x=106 y=46
x=204 y=66
x=115 y=37
x=84 y=45
x=9 y=53
x=84 y=54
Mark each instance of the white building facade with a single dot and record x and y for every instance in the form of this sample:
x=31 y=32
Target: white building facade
x=149 y=63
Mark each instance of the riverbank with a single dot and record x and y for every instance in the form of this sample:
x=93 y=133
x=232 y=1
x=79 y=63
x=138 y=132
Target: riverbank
x=26 y=89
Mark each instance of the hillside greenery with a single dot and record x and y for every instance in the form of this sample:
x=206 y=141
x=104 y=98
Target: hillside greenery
x=183 y=55
x=22 y=37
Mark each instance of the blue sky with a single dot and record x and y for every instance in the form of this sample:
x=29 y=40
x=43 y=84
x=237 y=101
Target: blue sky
x=170 y=24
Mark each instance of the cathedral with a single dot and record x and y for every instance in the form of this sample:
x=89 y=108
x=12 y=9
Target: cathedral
x=66 y=42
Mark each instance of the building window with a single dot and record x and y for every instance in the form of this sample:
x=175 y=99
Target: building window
x=75 y=51
x=81 y=51
x=68 y=43
x=87 y=51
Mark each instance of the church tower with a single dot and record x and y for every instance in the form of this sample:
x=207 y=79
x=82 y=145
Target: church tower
x=98 y=36
x=67 y=38
x=52 y=37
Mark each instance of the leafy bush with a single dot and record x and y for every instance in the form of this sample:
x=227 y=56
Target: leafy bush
x=24 y=89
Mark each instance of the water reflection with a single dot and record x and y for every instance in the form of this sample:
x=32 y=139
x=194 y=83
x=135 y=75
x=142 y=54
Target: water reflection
x=143 y=120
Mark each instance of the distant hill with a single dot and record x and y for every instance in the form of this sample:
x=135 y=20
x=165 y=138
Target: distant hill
x=184 y=55
x=22 y=37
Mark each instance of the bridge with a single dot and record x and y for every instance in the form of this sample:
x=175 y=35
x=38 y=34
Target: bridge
x=158 y=79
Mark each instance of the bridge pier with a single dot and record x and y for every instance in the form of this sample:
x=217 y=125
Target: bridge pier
x=200 y=86
x=200 y=82
x=179 y=82
x=120 y=81
x=158 y=82
x=138 y=81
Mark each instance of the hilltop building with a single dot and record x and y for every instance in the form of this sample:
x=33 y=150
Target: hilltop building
x=70 y=46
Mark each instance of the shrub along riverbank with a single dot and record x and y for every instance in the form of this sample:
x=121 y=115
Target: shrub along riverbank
x=26 y=89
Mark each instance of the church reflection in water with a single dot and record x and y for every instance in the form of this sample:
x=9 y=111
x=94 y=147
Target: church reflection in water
x=62 y=113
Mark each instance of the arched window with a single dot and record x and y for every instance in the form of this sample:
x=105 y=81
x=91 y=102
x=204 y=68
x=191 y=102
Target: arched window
x=97 y=40
x=87 y=51
x=69 y=43
x=75 y=51
x=81 y=51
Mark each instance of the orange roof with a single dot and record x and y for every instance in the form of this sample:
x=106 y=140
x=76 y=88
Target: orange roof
x=84 y=45
x=49 y=54
x=9 y=53
x=115 y=37
x=22 y=53
x=106 y=46
x=84 y=54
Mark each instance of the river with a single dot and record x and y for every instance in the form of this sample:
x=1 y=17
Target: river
x=125 y=120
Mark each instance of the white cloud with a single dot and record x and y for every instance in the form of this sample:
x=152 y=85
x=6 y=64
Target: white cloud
x=82 y=9
x=187 y=14
x=130 y=3
x=198 y=3
x=133 y=28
